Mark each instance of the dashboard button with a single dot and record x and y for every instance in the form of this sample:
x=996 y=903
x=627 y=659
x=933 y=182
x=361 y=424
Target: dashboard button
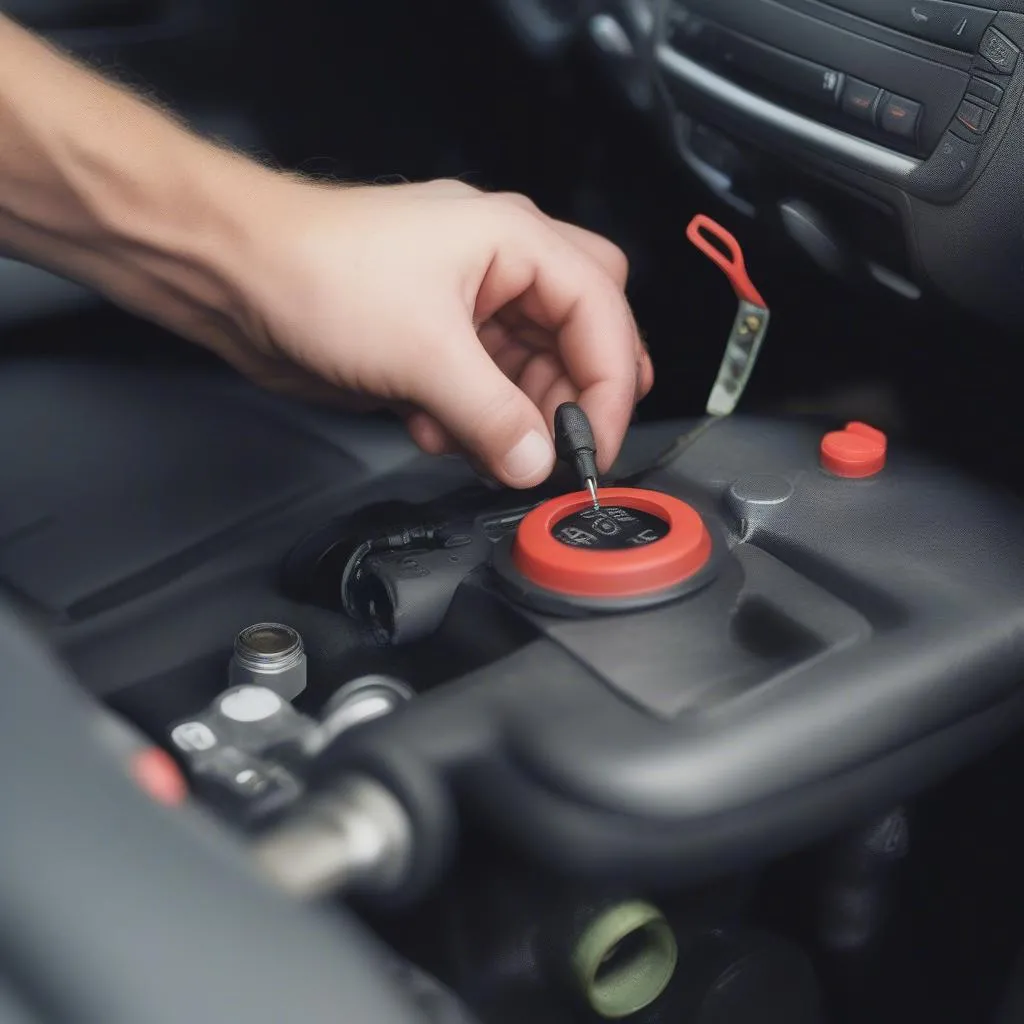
x=793 y=75
x=959 y=26
x=900 y=117
x=981 y=89
x=860 y=99
x=974 y=118
x=944 y=177
x=999 y=52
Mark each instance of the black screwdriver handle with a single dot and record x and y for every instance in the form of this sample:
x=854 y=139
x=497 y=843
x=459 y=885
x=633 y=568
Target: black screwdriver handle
x=574 y=441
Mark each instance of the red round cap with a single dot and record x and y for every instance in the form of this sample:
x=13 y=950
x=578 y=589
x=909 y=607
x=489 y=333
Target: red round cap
x=581 y=572
x=158 y=774
x=855 y=452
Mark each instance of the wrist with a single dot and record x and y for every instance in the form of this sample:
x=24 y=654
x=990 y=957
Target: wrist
x=105 y=188
x=172 y=234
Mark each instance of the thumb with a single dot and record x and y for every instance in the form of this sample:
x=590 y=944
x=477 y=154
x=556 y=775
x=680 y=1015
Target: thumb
x=486 y=413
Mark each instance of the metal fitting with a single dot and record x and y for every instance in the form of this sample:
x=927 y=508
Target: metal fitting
x=362 y=700
x=272 y=655
x=356 y=836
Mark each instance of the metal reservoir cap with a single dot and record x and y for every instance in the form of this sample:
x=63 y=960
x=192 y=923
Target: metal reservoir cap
x=269 y=654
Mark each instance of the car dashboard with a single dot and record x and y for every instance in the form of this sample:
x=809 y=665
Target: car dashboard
x=883 y=138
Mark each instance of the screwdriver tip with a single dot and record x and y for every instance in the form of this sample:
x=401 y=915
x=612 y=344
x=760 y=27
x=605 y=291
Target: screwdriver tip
x=592 y=487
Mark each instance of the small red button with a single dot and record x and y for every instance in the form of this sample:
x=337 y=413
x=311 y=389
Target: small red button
x=158 y=774
x=856 y=452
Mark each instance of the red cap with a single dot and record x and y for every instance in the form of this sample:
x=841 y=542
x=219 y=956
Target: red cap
x=580 y=572
x=855 y=452
x=158 y=774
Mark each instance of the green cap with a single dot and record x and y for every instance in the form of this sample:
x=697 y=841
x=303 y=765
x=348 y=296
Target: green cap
x=625 y=959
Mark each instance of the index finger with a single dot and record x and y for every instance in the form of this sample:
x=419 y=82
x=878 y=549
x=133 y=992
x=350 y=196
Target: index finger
x=561 y=289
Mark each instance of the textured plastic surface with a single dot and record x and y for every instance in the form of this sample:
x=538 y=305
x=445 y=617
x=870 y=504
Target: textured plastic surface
x=863 y=638
x=104 y=498
x=850 y=52
x=574 y=441
x=972 y=251
x=144 y=515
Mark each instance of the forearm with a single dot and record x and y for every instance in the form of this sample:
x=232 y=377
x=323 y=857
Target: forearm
x=105 y=188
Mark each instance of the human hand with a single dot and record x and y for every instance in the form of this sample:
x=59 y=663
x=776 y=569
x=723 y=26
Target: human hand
x=473 y=315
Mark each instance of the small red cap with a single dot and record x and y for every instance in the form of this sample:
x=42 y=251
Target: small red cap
x=158 y=775
x=855 y=452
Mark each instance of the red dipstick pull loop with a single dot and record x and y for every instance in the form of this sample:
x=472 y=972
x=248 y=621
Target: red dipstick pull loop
x=704 y=233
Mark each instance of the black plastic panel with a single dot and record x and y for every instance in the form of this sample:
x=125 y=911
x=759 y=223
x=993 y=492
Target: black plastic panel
x=862 y=640
x=865 y=638
x=770 y=620
x=939 y=86
x=957 y=26
x=822 y=11
x=973 y=251
x=128 y=510
x=813 y=85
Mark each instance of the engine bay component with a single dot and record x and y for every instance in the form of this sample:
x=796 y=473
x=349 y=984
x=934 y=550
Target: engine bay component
x=244 y=752
x=359 y=701
x=639 y=549
x=624 y=959
x=254 y=758
x=354 y=837
x=826 y=645
x=764 y=678
x=747 y=977
x=856 y=452
x=751 y=324
x=856 y=638
x=270 y=654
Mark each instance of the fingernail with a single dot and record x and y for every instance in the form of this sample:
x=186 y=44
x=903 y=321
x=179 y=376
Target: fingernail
x=530 y=458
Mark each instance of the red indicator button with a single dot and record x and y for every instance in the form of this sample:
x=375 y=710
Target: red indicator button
x=158 y=774
x=559 y=549
x=856 y=452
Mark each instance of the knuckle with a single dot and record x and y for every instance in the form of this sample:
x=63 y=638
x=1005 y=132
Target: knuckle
x=615 y=260
x=517 y=200
x=620 y=261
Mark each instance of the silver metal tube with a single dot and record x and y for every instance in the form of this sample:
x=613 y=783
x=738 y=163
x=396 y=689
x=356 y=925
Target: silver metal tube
x=356 y=836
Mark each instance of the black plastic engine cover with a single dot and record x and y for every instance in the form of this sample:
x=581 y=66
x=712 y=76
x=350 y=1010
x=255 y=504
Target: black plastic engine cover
x=861 y=639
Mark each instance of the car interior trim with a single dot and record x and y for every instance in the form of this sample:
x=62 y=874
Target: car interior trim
x=829 y=141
